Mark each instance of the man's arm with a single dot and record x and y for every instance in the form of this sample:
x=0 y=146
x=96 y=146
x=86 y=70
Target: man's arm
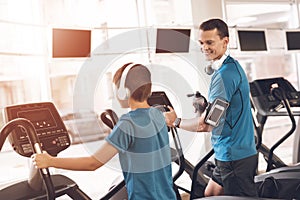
x=196 y=124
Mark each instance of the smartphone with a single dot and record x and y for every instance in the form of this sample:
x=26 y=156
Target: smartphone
x=217 y=109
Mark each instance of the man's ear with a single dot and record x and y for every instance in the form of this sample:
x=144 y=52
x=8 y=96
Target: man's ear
x=226 y=41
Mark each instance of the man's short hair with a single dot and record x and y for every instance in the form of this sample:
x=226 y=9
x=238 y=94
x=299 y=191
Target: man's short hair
x=218 y=24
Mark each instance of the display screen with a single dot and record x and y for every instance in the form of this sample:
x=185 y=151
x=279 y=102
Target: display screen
x=172 y=40
x=252 y=40
x=293 y=40
x=216 y=110
x=159 y=98
x=71 y=43
x=40 y=119
x=216 y=114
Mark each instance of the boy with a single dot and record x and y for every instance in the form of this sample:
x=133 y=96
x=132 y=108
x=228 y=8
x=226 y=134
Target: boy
x=140 y=138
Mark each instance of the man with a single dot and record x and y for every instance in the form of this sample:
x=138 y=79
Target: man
x=233 y=139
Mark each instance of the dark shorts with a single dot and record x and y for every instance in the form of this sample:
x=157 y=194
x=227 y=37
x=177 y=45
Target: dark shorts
x=237 y=177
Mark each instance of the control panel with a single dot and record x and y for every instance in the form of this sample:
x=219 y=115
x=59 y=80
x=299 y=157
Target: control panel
x=160 y=100
x=266 y=103
x=47 y=122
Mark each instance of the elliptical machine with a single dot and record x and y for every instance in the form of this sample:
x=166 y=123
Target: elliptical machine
x=110 y=118
x=200 y=176
x=269 y=97
x=32 y=128
x=199 y=165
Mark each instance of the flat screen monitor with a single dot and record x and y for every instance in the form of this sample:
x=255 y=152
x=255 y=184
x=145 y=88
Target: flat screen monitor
x=252 y=40
x=172 y=40
x=292 y=40
x=70 y=43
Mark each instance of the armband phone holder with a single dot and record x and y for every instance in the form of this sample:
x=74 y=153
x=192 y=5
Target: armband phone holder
x=215 y=111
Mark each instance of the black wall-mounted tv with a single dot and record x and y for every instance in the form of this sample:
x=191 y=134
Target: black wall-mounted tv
x=252 y=40
x=71 y=43
x=292 y=40
x=172 y=40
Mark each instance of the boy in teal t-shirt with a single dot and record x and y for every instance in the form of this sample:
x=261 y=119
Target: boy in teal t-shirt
x=140 y=138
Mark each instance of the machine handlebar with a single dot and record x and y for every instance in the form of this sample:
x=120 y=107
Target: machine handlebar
x=35 y=144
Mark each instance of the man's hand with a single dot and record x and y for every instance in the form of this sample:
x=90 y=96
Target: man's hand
x=200 y=103
x=170 y=117
x=202 y=126
x=196 y=124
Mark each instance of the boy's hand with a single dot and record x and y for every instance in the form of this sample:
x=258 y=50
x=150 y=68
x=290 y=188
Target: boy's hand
x=42 y=160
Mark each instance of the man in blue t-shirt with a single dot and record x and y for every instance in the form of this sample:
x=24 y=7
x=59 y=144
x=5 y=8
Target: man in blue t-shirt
x=140 y=138
x=233 y=138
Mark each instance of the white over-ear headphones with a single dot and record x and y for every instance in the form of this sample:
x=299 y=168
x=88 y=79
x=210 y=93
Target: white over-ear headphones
x=214 y=65
x=123 y=93
x=209 y=69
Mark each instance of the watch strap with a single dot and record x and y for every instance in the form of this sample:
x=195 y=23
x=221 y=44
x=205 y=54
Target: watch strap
x=177 y=122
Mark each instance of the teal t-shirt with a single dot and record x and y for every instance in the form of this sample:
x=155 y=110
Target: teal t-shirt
x=233 y=138
x=141 y=136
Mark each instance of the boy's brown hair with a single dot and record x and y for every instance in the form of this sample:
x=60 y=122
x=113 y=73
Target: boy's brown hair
x=137 y=80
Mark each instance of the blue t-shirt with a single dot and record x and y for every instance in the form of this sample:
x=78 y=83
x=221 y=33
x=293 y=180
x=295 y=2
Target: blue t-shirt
x=233 y=138
x=141 y=136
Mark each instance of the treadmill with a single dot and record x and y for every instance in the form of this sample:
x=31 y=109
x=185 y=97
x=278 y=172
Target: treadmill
x=31 y=128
